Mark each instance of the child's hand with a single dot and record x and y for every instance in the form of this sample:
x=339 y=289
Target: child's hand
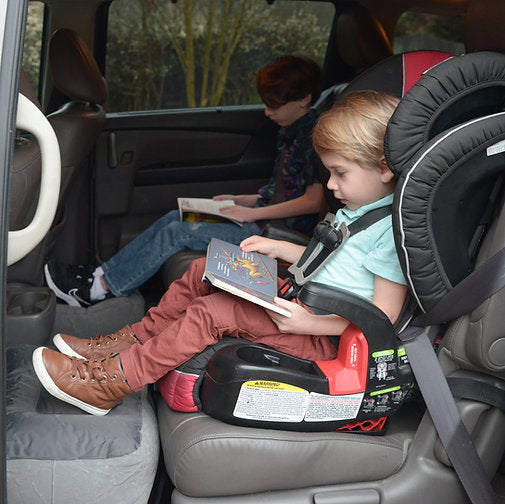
x=260 y=244
x=248 y=200
x=301 y=320
x=239 y=212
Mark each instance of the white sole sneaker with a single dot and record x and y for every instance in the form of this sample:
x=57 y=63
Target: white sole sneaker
x=70 y=300
x=60 y=344
x=48 y=383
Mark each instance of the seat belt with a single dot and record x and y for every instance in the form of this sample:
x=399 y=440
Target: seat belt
x=466 y=296
x=327 y=239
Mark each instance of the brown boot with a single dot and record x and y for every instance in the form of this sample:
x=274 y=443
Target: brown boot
x=98 y=347
x=94 y=386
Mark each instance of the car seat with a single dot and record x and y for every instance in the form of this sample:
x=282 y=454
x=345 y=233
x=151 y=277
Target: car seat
x=445 y=141
x=77 y=125
x=53 y=450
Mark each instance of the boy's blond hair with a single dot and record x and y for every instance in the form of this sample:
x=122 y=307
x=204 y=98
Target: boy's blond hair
x=355 y=127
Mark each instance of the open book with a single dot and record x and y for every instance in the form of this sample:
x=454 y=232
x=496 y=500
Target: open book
x=204 y=210
x=249 y=275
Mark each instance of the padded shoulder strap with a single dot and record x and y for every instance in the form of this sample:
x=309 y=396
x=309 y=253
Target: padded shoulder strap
x=450 y=93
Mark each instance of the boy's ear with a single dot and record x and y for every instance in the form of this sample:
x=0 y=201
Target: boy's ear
x=386 y=174
x=305 y=102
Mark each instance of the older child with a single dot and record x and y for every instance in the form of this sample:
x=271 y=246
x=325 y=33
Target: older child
x=288 y=86
x=193 y=315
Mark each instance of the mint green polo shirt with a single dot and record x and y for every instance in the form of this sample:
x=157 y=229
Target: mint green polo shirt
x=364 y=255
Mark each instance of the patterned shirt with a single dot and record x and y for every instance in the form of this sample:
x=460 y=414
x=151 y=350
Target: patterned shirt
x=298 y=164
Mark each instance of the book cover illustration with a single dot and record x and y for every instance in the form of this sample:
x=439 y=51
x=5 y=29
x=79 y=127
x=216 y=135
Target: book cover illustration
x=247 y=274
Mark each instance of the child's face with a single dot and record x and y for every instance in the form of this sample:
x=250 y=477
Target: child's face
x=289 y=112
x=355 y=186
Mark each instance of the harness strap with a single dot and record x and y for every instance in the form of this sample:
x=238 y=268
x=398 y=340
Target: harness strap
x=326 y=241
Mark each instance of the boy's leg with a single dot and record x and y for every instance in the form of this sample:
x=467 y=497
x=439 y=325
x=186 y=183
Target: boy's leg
x=174 y=302
x=206 y=320
x=138 y=261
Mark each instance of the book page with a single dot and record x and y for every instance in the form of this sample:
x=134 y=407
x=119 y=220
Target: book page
x=205 y=206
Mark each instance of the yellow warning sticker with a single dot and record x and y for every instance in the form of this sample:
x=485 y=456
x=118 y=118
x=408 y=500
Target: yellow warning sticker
x=267 y=384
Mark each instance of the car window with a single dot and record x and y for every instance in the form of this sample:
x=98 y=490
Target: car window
x=33 y=42
x=416 y=30
x=200 y=53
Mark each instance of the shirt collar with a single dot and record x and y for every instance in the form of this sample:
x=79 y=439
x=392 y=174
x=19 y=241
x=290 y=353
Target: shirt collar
x=305 y=122
x=355 y=214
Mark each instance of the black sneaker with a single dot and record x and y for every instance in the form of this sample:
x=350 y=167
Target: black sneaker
x=71 y=283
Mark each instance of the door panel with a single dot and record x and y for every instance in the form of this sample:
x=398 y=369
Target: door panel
x=144 y=161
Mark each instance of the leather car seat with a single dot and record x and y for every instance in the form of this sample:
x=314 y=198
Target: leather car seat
x=77 y=124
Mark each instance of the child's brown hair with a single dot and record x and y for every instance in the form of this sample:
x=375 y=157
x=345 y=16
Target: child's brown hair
x=355 y=127
x=289 y=78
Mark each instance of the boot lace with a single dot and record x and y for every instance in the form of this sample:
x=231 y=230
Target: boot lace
x=98 y=341
x=95 y=370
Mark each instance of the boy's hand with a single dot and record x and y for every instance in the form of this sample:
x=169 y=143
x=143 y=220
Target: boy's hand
x=303 y=321
x=300 y=322
x=248 y=200
x=239 y=212
x=260 y=244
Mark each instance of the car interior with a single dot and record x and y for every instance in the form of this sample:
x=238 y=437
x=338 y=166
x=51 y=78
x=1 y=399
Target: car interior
x=118 y=171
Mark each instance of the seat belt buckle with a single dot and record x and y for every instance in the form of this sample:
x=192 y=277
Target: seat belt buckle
x=288 y=290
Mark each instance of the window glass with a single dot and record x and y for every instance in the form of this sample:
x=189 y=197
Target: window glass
x=200 y=53
x=429 y=31
x=33 y=42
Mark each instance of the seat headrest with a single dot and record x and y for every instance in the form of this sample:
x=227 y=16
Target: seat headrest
x=443 y=203
x=397 y=74
x=446 y=143
x=484 y=26
x=26 y=89
x=455 y=91
x=362 y=37
x=74 y=70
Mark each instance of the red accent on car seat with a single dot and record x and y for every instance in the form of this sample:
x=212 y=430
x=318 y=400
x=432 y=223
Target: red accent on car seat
x=177 y=390
x=347 y=374
x=375 y=424
x=416 y=63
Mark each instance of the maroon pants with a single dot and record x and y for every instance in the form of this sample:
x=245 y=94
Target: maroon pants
x=193 y=315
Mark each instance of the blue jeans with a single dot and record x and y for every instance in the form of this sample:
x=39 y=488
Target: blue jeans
x=138 y=261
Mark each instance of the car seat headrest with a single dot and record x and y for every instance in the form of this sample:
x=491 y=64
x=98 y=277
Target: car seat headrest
x=74 y=70
x=26 y=88
x=484 y=26
x=456 y=90
x=444 y=202
x=363 y=38
x=397 y=74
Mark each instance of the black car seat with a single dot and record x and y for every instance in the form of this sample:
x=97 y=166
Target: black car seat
x=445 y=141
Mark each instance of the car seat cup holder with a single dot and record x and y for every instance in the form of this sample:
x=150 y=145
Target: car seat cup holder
x=255 y=386
x=30 y=314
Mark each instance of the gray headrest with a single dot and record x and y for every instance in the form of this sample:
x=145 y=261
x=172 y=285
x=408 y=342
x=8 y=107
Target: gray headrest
x=74 y=70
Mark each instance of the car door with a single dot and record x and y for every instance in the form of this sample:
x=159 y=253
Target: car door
x=171 y=129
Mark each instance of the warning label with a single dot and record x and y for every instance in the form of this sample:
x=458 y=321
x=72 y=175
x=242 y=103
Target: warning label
x=323 y=408
x=271 y=401
x=280 y=402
